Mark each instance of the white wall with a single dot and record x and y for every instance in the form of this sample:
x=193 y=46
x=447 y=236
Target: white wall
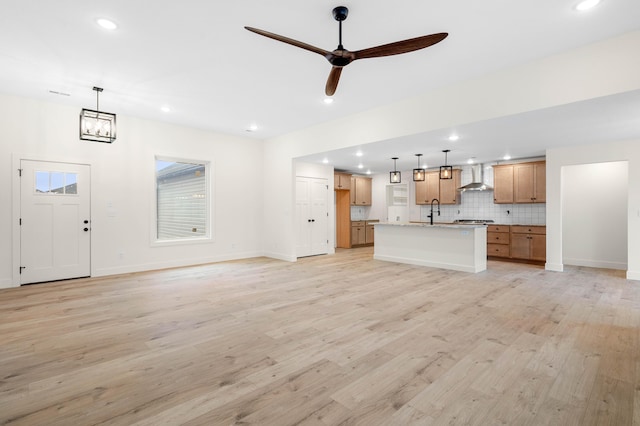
x=122 y=176
x=594 y=215
x=557 y=161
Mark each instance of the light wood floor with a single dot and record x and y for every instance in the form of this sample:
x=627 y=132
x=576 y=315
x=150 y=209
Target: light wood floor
x=328 y=340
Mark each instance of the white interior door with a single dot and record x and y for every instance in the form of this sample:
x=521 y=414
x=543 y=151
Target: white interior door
x=312 y=224
x=55 y=222
x=319 y=216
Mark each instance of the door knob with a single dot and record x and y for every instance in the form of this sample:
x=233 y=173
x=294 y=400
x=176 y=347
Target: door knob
x=86 y=229
x=86 y=221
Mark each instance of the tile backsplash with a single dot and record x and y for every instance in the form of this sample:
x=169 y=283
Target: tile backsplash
x=480 y=205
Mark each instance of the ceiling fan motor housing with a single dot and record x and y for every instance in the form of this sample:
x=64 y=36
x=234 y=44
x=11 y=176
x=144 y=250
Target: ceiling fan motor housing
x=340 y=13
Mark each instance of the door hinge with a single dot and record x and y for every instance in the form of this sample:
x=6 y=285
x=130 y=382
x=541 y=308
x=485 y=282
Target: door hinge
x=21 y=268
x=20 y=172
x=327 y=186
x=20 y=223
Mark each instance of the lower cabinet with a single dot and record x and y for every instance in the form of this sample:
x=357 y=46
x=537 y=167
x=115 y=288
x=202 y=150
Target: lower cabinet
x=358 y=233
x=361 y=233
x=498 y=241
x=368 y=239
x=517 y=242
x=528 y=242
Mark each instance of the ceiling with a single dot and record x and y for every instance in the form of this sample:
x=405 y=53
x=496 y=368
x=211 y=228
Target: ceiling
x=195 y=58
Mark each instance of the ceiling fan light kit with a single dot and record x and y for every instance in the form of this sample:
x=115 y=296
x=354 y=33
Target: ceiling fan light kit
x=341 y=57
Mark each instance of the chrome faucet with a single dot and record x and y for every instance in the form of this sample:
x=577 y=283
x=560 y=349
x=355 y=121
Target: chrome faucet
x=431 y=215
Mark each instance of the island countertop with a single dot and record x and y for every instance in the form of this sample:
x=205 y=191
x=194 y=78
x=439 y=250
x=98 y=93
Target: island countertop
x=435 y=225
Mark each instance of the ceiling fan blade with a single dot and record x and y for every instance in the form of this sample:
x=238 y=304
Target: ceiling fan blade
x=399 y=47
x=332 y=81
x=289 y=41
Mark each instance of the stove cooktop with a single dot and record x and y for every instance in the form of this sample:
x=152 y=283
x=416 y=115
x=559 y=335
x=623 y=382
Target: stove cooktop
x=474 y=221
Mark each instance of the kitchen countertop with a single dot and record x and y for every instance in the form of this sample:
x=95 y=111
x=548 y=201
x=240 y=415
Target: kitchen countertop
x=435 y=225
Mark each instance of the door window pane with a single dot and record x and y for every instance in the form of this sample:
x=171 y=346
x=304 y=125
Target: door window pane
x=42 y=182
x=70 y=183
x=56 y=183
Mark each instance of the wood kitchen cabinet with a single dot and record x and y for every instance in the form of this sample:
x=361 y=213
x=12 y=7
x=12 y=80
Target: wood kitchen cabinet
x=360 y=191
x=362 y=233
x=449 y=193
x=358 y=233
x=529 y=182
x=368 y=239
x=528 y=242
x=498 y=241
x=445 y=190
x=520 y=183
x=341 y=181
x=503 y=184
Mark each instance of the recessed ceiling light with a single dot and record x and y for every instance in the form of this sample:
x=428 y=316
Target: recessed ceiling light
x=360 y=166
x=506 y=157
x=325 y=161
x=252 y=128
x=359 y=154
x=368 y=172
x=107 y=24
x=328 y=101
x=471 y=160
x=586 y=5
x=165 y=109
x=454 y=138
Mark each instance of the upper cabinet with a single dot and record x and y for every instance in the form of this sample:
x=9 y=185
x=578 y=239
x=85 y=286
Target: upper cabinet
x=428 y=189
x=503 y=184
x=449 y=193
x=341 y=181
x=360 y=191
x=529 y=182
x=520 y=183
x=445 y=190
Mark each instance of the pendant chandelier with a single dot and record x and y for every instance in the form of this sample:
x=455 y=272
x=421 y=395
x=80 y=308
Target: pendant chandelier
x=95 y=125
x=394 y=176
x=446 y=172
x=418 y=174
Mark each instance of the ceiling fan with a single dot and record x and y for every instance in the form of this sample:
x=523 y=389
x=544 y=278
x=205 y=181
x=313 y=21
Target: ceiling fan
x=342 y=57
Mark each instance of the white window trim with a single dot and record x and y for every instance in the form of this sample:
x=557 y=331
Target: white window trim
x=153 y=232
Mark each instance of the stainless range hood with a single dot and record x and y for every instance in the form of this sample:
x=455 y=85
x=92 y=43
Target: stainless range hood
x=477 y=183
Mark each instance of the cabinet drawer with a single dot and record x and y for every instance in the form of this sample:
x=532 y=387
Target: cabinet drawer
x=498 y=250
x=497 y=228
x=519 y=229
x=497 y=238
x=357 y=223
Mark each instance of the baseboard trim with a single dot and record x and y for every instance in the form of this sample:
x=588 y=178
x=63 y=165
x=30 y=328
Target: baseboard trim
x=153 y=266
x=555 y=267
x=595 y=263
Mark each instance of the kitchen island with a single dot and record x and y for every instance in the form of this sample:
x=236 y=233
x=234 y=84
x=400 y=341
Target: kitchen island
x=447 y=246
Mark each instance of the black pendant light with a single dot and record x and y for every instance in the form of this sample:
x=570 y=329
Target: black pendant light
x=394 y=176
x=418 y=174
x=446 y=172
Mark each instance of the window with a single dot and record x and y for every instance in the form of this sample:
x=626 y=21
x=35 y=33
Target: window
x=56 y=183
x=182 y=200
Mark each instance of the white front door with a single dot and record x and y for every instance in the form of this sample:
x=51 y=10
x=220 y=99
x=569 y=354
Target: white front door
x=55 y=221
